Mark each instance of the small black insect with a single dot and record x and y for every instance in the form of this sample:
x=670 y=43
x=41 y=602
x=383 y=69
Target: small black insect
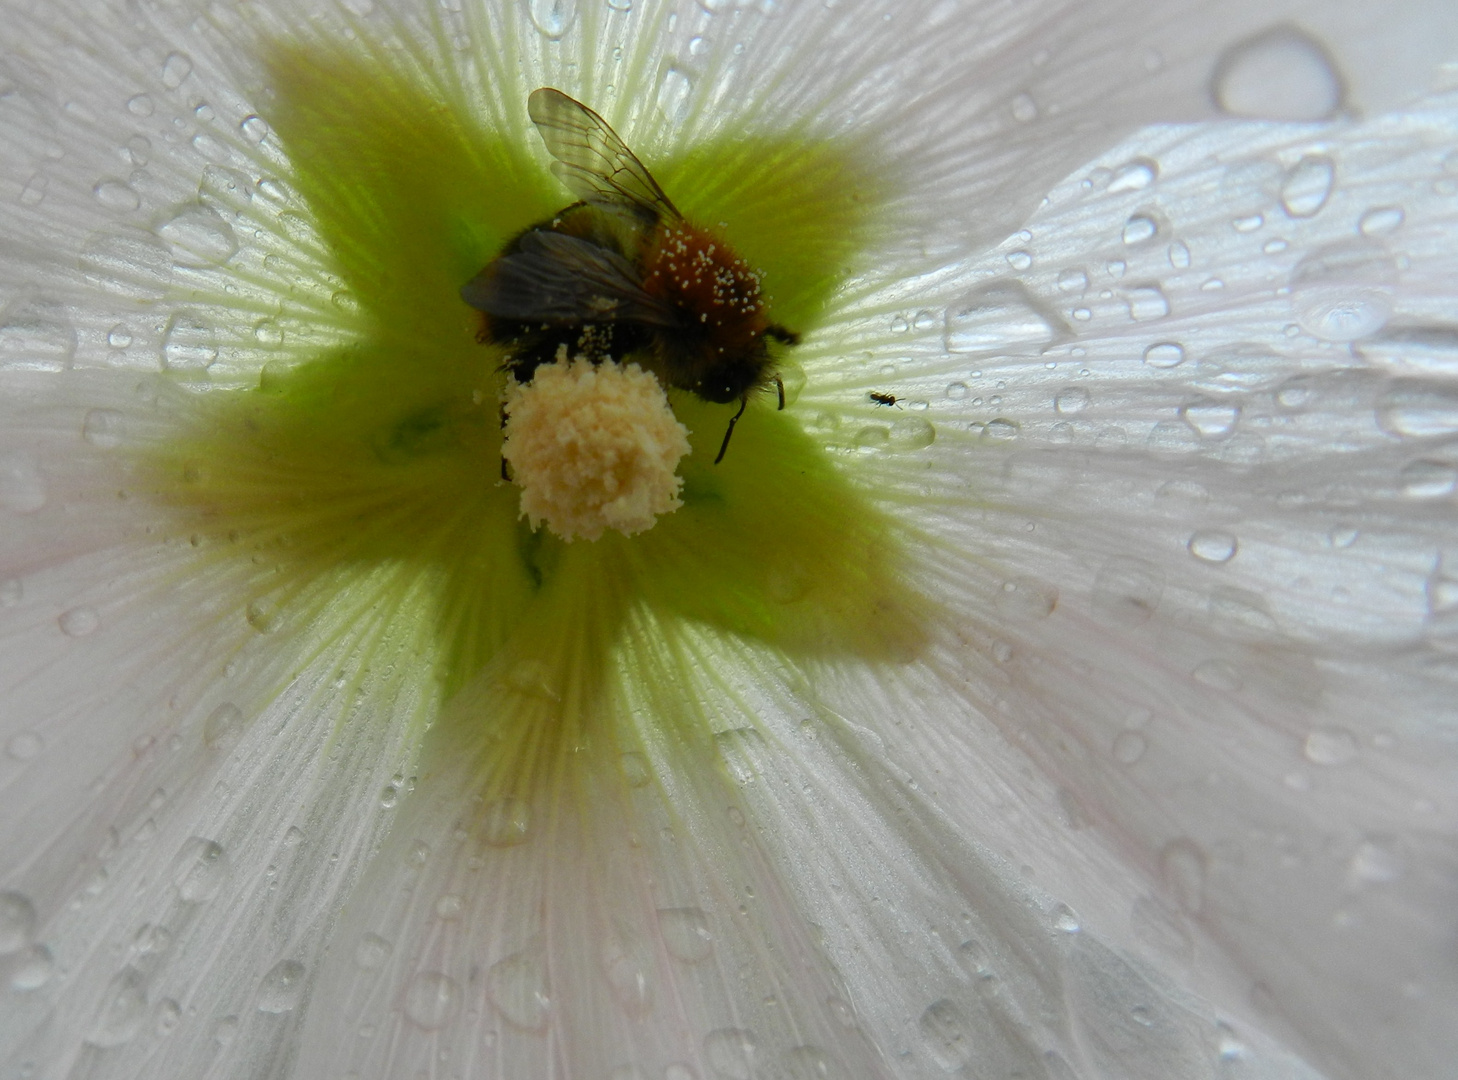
x=622 y=272
x=881 y=398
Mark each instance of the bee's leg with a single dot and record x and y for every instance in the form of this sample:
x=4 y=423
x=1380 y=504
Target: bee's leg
x=780 y=386
x=743 y=403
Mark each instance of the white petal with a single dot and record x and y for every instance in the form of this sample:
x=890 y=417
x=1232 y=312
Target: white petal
x=1207 y=540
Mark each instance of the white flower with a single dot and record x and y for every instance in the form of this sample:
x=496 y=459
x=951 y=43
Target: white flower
x=1086 y=712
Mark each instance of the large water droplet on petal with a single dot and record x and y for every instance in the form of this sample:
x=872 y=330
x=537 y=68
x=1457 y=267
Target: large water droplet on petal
x=198 y=236
x=1000 y=317
x=432 y=1000
x=1344 y=291
x=686 y=933
x=199 y=871
x=731 y=1053
x=552 y=18
x=36 y=336
x=190 y=342
x=132 y=265
x=22 y=488
x=517 y=987
x=123 y=1008
x=1279 y=74
x=17 y=922
x=1307 y=186
x=1418 y=410
x=282 y=988
x=947 y=1033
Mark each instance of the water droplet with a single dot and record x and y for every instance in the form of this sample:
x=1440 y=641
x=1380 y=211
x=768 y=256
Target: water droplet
x=37 y=336
x=1182 y=865
x=1024 y=109
x=1418 y=410
x=1073 y=280
x=1135 y=175
x=116 y=195
x=79 y=621
x=198 y=236
x=730 y=1052
x=254 y=128
x=1071 y=399
x=17 y=922
x=628 y=968
x=1344 y=291
x=1307 y=186
x=1026 y=598
x=686 y=934
x=636 y=769
x=141 y=105
x=34 y=191
x=123 y=1008
x=1426 y=479
x=517 y=987
x=1164 y=354
x=132 y=265
x=102 y=428
x=432 y=1000
x=282 y=988
x=372 y=952
x=1127 y=590
x=189 y=343
x=1378 y=860
x=1000 y=430
x=1213 y=546
x=199 y=871
x=1218 y=674
x=1000 y=317
x=1129 y=747
x=1279 y=74
x=1064 y=920
x=176 y=68
x=262 y=614
x=22 y=488
x=508 y=822
x=1179 y=255
x=1330 y=746
x=32 y=969
x=912 y=433
x=673 y=94
x=1147 y=302
x=948 y=1034
x=223 y=725
x=956 y=391
x=1019 y=260
x=24 y=746
x=1140 y=229
x=1211 y=419
x=1380 y=221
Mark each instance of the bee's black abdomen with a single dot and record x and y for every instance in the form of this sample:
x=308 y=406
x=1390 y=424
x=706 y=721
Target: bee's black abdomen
x=530 y=345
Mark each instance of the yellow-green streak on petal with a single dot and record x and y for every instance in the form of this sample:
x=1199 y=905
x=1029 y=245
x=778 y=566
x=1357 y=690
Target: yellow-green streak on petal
x=385 y=451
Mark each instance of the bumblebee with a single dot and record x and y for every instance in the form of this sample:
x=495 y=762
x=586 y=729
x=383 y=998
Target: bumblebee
x=622 y=272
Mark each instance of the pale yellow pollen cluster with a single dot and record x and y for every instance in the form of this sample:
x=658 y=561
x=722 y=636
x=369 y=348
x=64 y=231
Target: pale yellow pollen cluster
x=593 y=447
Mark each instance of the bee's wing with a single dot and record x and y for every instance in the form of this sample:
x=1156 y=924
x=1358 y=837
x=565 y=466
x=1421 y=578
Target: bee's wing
x=592 y=160
x=556 y=278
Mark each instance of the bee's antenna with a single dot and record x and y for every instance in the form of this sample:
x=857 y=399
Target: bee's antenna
x=780 y=386
x=743 y=403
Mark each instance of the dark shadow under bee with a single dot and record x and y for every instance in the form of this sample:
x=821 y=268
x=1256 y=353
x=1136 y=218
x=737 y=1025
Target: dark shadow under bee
x=620 y=274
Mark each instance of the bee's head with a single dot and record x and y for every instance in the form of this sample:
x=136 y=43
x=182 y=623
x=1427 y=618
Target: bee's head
x=728 y=381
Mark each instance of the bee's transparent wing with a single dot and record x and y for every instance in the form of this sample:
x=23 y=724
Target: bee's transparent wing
x=556 y=278
x=592 y=160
